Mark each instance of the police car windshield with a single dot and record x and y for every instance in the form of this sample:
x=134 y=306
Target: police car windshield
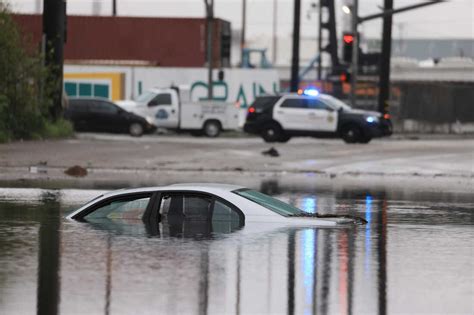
x=334 y=102
x=270 y=203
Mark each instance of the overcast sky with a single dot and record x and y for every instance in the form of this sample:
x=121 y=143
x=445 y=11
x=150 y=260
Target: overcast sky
x=453 y=19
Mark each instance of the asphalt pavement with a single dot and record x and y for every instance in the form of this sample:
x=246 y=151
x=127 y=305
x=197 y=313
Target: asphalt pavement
x=428 y=160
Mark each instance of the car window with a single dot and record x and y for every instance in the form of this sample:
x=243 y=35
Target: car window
x=334 y=102
x=314 y=103
x=264 y=103
x=124 y=208
x=223 y=212
x=161 y=99
x=104 y=107
x=191 y=207
x=294 y=103
x=78 y=106
x=196 y=207
x=268 y=202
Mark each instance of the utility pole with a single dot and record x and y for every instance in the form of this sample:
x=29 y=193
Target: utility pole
x=114 y=7
x=320 y=39
x=54 y=22
x=295 y=60
x=274 y=44
x=355 y=52
x=384 y=69
x=210 y=19
x=242 y=37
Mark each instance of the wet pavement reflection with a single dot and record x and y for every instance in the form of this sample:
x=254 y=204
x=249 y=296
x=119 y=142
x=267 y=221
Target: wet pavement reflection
x=415 y=255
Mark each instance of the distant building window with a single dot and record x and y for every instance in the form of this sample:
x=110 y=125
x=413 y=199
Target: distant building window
x=70 y=88
x=101 y=90
x=76 y=89
x=85 y=89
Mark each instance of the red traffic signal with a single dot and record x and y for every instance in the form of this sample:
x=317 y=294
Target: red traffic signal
x=348 y=38
x=348 y=41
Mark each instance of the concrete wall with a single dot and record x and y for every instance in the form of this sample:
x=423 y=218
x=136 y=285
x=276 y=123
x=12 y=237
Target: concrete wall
x=436 y=107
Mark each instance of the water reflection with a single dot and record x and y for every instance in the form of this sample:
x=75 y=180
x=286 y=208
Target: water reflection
x=126 y=266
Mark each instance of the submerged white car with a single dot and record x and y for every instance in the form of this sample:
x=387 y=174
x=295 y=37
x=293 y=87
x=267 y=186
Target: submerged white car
x=202 y=202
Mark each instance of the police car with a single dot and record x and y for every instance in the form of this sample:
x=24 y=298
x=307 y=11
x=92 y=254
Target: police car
x=277 y=118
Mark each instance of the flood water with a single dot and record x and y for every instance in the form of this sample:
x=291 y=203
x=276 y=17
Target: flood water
x=414 y=256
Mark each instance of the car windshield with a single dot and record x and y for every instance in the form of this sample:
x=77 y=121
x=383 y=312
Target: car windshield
x=263 y=103
x=145 y=97
x=270 y=203
x=334 y=102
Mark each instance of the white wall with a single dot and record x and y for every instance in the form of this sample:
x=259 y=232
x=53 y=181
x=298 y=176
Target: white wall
x=238 y=84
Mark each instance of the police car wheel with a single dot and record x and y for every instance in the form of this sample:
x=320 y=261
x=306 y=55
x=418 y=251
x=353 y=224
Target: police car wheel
x=136 y=130
x=351 y=134
x=365 y=140
x=284 y=138
x=271 y=133
x=212 y=129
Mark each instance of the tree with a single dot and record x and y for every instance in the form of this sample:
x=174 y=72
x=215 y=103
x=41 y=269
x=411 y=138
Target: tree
x=25 y=87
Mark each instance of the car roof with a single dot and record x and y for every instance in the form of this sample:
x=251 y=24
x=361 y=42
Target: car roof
x=202 y=187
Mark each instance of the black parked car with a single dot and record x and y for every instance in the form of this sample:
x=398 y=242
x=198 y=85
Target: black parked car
x=93 y=114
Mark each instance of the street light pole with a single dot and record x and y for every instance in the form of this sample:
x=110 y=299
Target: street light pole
x=114 y=7
x=209 y=18
x=355 y=52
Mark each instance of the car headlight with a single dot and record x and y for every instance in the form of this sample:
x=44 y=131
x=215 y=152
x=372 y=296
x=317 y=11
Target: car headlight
x=371 y=119
x=150 y=120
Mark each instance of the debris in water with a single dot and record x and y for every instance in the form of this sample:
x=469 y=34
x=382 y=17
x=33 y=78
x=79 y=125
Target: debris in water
x=76 y=171
x=271 y=152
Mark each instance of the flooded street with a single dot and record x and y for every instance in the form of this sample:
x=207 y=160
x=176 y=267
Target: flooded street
x=414 y=256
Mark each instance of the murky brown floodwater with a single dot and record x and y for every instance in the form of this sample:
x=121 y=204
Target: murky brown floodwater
x=414 y=256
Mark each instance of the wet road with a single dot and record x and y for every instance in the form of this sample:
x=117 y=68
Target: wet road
x=415 y=256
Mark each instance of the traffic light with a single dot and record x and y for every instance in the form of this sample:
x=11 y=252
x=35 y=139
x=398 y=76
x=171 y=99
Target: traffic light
x=345 y=76
x=348 y=41
x=225 y=43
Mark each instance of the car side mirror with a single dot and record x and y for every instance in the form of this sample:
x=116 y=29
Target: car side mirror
x=152 y=103
x=340 y=109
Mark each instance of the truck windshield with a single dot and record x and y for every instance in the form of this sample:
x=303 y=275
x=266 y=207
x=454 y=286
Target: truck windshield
x=270 y=203
x=145 y=97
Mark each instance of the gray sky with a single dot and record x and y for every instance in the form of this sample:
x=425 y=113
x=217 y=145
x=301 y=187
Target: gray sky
x=453 y=19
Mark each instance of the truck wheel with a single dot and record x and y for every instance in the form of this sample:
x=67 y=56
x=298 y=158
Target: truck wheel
x=196 y=133
x=271 y=133
x=212 y=129
x=351 y=134
x=136 y=130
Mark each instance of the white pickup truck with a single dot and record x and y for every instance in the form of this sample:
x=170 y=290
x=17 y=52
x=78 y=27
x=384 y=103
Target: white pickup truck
x=172 y=108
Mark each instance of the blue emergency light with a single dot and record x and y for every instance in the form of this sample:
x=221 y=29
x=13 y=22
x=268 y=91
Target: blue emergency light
x=311 y=92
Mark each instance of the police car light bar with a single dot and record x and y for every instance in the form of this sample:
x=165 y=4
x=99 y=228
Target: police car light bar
x=311 y=92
